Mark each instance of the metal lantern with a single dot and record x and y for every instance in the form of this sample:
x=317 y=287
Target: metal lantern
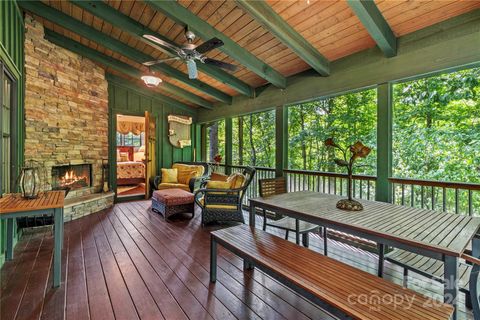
x=29 y=182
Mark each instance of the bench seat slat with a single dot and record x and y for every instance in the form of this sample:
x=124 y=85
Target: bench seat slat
x=331 y=281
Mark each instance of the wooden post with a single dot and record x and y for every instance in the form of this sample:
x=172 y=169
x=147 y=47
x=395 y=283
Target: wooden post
x=240 y=141
x=384 y=142
x=228 y=145
x=281 y=140
x=203 y=143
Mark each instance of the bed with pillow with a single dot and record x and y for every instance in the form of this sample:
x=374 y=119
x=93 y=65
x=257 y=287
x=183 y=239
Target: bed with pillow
x=130 y=167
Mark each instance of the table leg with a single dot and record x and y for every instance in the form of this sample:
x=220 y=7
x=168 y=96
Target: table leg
x=381 y=258
x=10 y=222
x=57 y=253
x=476 y=246
x=451 y=283
x=251 y=216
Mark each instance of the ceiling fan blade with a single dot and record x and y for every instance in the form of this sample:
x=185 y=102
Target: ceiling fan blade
x=192 y=69
x=154 y=62
x=209 y=45
x=221 y=64
x=164 y=44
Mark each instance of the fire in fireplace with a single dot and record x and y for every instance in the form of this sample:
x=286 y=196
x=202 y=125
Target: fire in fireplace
x=72 y=176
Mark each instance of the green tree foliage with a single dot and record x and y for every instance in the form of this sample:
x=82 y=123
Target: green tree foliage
x=437 y=127
x=346 y=118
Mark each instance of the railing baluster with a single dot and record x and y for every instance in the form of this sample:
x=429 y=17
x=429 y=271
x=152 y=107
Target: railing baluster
x=433 y=198
x=403 y=194
x=334 y=185
x=470 y=204
x=456 y=201
x=444 y=199
x=361 y=189
x=323 y=183
x=368 y=190
x=412 y=195
x=422 y=195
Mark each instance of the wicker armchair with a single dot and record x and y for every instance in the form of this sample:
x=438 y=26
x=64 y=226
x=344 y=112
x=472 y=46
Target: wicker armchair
x=221 y=205
x=194 y=183
x=274 y=186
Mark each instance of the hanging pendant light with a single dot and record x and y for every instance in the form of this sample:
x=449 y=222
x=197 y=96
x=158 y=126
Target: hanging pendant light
x=151 y=80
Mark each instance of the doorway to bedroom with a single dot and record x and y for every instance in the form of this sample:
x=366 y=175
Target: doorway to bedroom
x=131 y=156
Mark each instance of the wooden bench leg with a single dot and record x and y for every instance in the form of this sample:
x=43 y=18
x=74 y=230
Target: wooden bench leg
x=405 y=277
x=305 y=239
x=381 y=259
x=325 y=241
x=213 y=259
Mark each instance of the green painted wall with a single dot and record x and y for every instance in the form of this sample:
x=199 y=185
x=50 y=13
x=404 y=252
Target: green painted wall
x=11 y=54
x=135 y=100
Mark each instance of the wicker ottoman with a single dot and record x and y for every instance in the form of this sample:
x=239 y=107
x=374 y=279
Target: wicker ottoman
x=171 y=201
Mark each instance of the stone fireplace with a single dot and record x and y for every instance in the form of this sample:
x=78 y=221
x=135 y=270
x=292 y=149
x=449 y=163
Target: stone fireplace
x=66 y=120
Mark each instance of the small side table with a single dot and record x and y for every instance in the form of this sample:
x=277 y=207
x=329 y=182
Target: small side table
x=13 y=206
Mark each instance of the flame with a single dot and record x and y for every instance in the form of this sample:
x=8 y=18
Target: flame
x=70 y=178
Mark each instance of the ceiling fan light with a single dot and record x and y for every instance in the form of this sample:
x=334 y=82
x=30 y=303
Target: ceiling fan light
x=151 y=81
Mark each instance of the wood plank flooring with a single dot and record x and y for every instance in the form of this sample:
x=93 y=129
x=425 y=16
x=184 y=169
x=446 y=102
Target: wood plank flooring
x=127 y=263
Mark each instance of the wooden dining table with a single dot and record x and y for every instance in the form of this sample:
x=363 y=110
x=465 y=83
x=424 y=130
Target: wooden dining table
x=438 y=235
x=13 y=206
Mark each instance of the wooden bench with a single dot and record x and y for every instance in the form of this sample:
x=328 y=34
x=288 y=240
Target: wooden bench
x=343 y=290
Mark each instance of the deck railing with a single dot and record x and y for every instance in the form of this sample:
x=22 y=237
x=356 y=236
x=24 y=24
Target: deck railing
x=330 y=182
x=454 y=197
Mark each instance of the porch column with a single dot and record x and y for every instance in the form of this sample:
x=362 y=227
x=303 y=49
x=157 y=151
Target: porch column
x=228 y=145
x=384 y=142
x=281 y=140
x=203 y=143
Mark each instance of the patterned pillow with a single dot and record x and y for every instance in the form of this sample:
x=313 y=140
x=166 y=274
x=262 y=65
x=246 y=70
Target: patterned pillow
x=185 y=176
x=169 y=175
x=218 y=185
x=124 y=157
x=218 y=177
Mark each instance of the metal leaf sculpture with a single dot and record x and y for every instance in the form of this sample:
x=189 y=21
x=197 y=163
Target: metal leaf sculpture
x=350 y=155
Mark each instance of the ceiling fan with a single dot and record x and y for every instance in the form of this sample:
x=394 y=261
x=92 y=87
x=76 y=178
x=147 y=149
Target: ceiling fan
x=190 y=53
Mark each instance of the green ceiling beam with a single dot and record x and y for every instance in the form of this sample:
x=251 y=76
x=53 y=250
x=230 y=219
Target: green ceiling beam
x=117 y=46
x=376 y=25
x=136 y=29
x=105 y=60
x=183 y=16
x=265 y=15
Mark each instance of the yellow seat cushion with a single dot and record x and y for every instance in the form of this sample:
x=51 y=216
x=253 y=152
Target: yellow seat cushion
x=219 y=185
x=163 y=186
x=199 y=170
x=236 y=180
x=217 y=206
x=169 y=175
x=185 y=176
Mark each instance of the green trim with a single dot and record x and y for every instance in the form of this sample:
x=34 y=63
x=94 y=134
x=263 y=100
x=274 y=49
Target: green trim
x=265 y=15
x=384 y=142
x=376 y=25
x=281 y=140
x=137 y=30
x=12 y=67
x=122 y=67
x=450 y=44
x=183 y=16
x=228 y=145
x=119 y=47
x=131 y=85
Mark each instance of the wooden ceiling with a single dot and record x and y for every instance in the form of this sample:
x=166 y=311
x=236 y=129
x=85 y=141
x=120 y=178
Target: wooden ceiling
x=330 y=26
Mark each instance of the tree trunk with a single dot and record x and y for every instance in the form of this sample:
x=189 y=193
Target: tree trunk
x=303 y=145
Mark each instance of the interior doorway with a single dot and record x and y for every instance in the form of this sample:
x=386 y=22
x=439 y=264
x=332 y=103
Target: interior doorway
x=131 y=156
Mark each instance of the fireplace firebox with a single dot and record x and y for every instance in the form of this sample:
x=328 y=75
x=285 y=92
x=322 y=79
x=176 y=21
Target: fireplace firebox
x=75 y=176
